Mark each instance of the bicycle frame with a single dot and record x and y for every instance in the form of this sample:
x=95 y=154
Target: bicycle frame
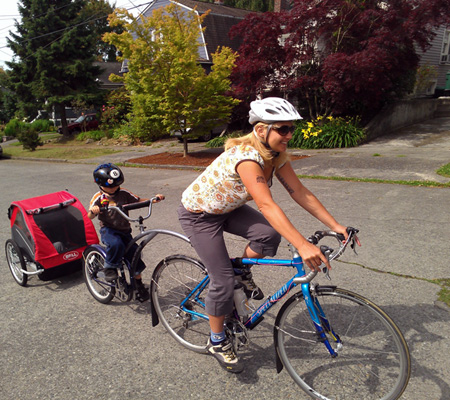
x=315 y=310
x=144 y=238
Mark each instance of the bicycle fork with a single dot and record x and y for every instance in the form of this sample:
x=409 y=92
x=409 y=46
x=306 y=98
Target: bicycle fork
x=320 y=321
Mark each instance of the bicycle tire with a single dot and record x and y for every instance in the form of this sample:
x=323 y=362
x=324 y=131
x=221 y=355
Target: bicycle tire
x=373 y=363
x=173 y=279
x=93 y=262
x=16 y=262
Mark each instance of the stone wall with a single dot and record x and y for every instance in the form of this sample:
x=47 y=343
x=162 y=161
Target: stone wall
x=404 y=113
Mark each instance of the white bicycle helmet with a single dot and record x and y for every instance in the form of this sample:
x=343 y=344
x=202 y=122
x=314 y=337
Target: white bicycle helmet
x=272 y=109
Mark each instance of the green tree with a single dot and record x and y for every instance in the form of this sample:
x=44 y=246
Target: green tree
x=169 y=90
x=340 y=57
x=54 y=50
x=96 y=12
x=7 y=102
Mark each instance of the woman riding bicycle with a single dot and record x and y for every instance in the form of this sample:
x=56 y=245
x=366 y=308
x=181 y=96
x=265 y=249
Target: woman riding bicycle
x=215 y=203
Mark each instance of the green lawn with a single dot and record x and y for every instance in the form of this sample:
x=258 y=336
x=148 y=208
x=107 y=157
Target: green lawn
x=52 y=149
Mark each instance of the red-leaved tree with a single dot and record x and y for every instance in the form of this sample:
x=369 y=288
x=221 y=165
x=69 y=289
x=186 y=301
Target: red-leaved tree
x=337 y=56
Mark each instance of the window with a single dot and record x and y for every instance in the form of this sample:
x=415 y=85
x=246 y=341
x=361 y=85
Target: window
x=446 y=47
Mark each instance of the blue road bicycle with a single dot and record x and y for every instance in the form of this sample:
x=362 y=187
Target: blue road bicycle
x=335 y=344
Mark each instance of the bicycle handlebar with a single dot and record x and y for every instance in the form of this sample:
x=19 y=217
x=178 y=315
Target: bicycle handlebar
x=133 y=206
x=328 y=251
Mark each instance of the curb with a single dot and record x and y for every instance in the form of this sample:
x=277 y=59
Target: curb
x=123 y=163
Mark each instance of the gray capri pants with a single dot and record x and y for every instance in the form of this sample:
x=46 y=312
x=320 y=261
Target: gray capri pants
x=205 y=232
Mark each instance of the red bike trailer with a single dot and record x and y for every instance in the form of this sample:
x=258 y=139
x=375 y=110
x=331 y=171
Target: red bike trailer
x=47 y=232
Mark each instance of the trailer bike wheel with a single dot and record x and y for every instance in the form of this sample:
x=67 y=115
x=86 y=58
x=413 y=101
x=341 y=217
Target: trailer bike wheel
x=180 y=309
x=372 y=360
x=16 y=262
x=93 y=262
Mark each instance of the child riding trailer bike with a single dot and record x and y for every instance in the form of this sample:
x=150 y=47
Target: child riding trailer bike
x=108 y=267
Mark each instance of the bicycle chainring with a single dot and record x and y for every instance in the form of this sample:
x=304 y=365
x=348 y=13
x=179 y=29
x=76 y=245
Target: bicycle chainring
x=237 y=333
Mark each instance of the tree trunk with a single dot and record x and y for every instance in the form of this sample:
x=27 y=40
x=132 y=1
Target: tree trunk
x=185 y=147
x=61 y=110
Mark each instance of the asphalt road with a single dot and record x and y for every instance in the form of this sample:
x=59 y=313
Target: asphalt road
x=57 y=342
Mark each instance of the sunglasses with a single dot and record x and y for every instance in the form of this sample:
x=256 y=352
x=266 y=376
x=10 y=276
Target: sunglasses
x=284 y=130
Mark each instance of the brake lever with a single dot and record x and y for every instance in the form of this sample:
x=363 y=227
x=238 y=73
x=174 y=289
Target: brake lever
x=326 y=251
x=355 y=241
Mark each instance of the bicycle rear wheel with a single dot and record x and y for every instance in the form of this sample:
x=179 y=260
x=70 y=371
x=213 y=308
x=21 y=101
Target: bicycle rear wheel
x=373 y=360
x=173 y=280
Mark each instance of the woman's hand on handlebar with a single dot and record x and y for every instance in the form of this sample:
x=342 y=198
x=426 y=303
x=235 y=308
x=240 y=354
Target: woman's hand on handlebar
x=341 y=229
x=313 y=257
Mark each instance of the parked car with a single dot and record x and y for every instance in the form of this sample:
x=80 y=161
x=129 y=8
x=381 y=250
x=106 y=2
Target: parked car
x=208 y=135
x=83 y=123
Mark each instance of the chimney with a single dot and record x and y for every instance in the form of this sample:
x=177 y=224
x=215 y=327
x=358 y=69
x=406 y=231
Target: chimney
x=279 y=5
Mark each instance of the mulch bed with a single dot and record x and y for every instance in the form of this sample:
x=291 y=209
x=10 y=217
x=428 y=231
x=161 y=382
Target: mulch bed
x=195 y=159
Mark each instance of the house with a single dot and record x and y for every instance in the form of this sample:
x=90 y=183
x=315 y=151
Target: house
x=108 y=68
x=218 y=23
x=438 y=57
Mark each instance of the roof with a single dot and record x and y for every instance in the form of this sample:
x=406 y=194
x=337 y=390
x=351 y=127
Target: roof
x=217 y=9
x=218 y=23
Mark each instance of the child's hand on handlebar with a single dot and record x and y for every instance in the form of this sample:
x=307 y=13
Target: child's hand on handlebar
x=94 y=211
x=158 y=198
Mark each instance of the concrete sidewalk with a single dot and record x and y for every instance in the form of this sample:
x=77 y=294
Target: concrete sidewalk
x=412 y=153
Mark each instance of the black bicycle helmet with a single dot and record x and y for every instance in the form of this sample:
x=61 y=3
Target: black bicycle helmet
x=108 y=175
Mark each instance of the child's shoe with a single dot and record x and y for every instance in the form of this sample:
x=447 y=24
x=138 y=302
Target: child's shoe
x=110 y=274
x=142 y=293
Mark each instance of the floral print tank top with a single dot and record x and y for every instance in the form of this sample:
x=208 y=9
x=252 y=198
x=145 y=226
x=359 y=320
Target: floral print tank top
x=219 y=188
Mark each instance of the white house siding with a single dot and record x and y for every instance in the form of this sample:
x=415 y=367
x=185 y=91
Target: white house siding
x=432 y=57
x=202 y=52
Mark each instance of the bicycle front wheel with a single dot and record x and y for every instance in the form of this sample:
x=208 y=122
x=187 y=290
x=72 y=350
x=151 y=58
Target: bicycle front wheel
x=372 y=361
x=173 y=282
x=93 y=263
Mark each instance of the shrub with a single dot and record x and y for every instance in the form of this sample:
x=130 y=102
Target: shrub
x=123 y=131
x=14 y=127
x=117 y=107
x=42 y=125
x=94 y=135
x=219 y=141
x=327 y=133
x=29 y=137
